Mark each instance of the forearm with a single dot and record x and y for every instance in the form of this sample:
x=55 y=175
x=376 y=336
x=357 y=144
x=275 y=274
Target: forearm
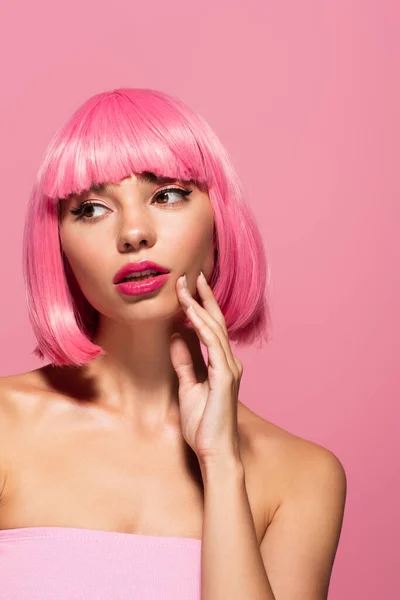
x=232 y=566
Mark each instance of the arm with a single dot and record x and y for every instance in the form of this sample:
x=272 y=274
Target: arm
x=298 y=549
x=295 y=559
x=5 y=426
x=299 y=546
x=232 y=565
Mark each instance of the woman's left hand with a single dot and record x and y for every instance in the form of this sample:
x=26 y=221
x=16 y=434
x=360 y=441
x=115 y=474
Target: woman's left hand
x=208 y=410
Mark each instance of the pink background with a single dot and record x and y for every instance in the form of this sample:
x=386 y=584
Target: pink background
x=305 y=96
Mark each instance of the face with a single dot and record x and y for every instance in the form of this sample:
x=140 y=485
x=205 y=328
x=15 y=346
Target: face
x=139 y=218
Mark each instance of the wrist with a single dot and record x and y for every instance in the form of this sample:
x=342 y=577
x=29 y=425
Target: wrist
x=221 y=468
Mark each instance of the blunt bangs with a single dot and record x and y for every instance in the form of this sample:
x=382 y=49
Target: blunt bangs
x=115 y=134
x=112 y=135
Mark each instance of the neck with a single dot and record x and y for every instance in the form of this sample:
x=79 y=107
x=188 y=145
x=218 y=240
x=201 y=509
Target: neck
x=135 y=377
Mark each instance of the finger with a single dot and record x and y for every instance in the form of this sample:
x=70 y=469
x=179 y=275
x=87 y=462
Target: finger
x=217 y=328
x=182 y=362
x=216 y=354
x=209 y=302
x=212 y=307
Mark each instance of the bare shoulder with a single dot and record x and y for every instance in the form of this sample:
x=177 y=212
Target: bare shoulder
x=17 y=393
x=17 y=401
x=286 y=461
x=302 y=530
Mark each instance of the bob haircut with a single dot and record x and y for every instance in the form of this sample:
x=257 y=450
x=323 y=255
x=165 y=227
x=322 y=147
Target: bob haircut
x=112 y=135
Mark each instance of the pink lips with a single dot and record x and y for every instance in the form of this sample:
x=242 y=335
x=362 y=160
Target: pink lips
x=143 y=286
x=137 y=267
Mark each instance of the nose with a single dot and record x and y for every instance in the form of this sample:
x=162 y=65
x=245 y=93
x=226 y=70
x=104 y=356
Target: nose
x=137 y=230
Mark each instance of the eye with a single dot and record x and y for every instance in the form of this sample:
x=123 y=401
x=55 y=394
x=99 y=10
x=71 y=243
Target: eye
x=173 y=190
x=80 y=210
x=80 y=213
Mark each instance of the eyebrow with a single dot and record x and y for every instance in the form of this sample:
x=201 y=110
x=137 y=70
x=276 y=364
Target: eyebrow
x=146 y=176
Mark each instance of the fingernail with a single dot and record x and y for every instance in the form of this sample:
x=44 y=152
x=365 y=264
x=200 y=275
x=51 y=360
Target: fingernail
x=202 y=277
x=184 y=281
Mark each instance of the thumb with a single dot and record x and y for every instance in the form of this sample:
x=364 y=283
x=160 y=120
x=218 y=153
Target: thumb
x=182 y=362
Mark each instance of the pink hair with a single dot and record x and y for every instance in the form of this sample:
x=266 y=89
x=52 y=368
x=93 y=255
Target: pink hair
x=112 y=135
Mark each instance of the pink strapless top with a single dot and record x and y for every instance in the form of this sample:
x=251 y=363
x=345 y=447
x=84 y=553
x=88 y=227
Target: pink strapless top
x=67 y=563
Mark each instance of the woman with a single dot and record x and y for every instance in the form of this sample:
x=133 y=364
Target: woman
x=129 y=467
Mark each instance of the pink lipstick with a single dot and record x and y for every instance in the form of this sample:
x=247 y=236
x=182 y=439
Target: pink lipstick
x=142 y=277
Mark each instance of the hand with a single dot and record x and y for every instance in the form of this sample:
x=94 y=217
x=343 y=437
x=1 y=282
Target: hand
x=208 y=410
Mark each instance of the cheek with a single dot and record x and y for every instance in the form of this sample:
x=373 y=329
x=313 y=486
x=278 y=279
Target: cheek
x=81 y=255
x=88 y=263
x=194 y=247
x=194 y=241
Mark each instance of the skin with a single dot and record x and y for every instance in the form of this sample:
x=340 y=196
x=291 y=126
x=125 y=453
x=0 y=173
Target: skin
x=136 y=377
x=101 y=447
x=121 y=410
